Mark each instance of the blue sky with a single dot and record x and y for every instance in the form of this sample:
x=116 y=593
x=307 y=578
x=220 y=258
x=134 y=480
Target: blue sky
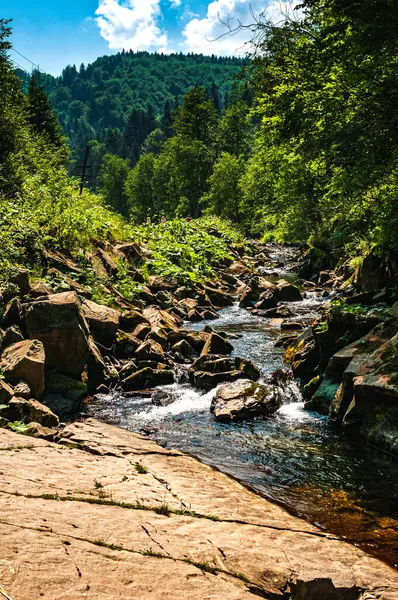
x=54 y=34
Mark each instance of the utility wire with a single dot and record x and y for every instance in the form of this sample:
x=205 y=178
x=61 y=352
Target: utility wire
x=20 y=66
x=28 y=59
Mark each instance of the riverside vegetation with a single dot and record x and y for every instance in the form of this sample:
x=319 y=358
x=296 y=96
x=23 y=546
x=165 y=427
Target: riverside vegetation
x=96 y=288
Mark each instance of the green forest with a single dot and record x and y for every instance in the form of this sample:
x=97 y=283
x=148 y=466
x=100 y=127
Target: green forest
x=113 y=104
x=297 y=144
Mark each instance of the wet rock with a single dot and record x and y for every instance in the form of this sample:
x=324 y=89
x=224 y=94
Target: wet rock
x=288 y=325
x=303 y=354
x=12 y=335
x=147 y=378
x=244 y=400
x=279 y=312
x=288 y=292
x=102 y=321
x=63 y=395
x=247 y=297
x=162 y=398
x=58 y=322
x=97 y=371
x=324 y=588
x=215 y=344
x=194 y=316
x=125 y=344
x=268 y=299
x=325 y=277
x=128 y=369
x=207 y=381
x=210 y=315
x=196 y=339
x=25 y=361
x=311 y=387
x=20 y=409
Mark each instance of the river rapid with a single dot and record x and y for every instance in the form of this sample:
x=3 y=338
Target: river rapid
x=295 y=458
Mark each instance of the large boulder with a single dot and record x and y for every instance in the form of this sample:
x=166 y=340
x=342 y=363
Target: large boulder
x=245 y=399
x=226 y=369
x=102 y=321
x=20 y=409
x=130 y=319
x=63 y=395
x=12 y=314
x=207 y=381
x=216 y=344
x=6 y=392
x=161 y=319
x=58 y=322
x=147 y=378
x=150 y=350
x=25 y=360
x=125 y=344
x=158 y=283
x=12 y=335
x=287 y=292
x=218 y=297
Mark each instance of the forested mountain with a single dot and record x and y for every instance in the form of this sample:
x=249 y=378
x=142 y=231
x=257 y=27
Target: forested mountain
x=304 y=148
x=96 y=103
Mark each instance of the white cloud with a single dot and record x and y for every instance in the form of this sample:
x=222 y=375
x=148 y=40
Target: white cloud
x=175 y=3
x=132 y=24
x=203 y=35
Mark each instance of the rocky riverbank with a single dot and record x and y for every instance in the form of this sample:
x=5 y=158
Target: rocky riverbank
x=60 y=349
x=105 y=513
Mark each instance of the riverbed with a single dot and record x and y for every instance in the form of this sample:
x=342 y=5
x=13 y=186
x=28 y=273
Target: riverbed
x=295 y=458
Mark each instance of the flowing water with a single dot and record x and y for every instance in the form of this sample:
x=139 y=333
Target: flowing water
x=295 y=457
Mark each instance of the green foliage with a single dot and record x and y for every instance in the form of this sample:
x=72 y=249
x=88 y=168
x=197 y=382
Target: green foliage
x=41 y=113
x=324 y=165
x=113 y=177
x=186 y=250
x=140 y=468
x=225 y=194
x=118 y=100
x=19 y=427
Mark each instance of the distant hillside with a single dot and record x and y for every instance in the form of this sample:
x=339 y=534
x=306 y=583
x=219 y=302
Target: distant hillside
x=94 y=102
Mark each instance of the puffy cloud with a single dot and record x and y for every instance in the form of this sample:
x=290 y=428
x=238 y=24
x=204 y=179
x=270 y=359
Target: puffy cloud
x=132 y=24
x=203 y=35
x=175 y=3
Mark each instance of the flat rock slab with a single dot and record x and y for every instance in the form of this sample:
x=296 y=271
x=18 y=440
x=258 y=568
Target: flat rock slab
x=80 y=519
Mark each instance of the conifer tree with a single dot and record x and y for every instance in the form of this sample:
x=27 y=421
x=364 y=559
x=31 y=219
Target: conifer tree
x=42 y=116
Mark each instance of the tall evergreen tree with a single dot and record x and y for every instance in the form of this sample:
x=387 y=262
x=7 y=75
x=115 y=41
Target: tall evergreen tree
x=215 y=97
x=42 y=116
x=167 y=121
